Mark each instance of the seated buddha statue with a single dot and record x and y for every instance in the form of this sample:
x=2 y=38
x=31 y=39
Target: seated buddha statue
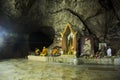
x=70 y=51
x=44 y=51
x=37 y=51
x=54 y=51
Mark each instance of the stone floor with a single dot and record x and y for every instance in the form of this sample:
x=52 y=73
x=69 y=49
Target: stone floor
x=23 y=69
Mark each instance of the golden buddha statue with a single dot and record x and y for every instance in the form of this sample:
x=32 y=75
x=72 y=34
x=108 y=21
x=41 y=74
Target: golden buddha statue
x=37 y=51
x=70 y=51
x=54 y=51
x=44 y=51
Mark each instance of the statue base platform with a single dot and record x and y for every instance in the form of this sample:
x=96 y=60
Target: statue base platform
x=37 y=58
x=59 y=59
x=71 y=59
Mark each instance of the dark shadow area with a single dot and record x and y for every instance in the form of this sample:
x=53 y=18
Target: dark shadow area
x=41 y=38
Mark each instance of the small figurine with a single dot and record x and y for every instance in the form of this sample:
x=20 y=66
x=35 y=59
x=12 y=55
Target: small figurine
x=97 y=55
x=109 y=52
x=71 y=51
x=37 y=51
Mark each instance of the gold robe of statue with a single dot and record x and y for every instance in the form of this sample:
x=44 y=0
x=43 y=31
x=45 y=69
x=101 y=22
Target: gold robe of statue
x=44 y=51
x=54 y=51
x=37 y=51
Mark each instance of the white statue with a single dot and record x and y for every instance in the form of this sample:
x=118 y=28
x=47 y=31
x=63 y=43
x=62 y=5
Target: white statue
x=109 y=52
x=70 y=37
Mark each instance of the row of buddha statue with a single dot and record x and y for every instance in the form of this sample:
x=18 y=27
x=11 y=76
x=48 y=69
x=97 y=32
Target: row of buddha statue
x=68 y=43
x=44 y=51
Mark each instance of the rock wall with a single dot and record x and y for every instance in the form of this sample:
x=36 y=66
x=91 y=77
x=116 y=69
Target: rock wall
x=89 y=17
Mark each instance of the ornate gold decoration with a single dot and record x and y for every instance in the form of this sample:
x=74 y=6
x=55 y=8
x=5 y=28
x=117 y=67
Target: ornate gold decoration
x=71 y=30
x=68 y=39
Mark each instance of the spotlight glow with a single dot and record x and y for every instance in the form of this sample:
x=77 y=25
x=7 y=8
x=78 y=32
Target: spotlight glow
x=3 y=34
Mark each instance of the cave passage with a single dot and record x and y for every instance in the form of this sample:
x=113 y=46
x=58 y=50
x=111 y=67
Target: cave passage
x=41 y=38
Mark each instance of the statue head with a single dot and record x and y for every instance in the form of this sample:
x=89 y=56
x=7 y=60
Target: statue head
x=44 y=47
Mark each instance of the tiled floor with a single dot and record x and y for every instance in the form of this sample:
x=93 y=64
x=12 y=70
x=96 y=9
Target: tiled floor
x=23 y=69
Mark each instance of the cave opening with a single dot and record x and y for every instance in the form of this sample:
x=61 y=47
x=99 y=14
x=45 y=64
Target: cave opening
x=41 y=38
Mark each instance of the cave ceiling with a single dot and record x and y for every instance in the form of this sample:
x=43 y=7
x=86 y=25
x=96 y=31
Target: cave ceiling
x=97 y=17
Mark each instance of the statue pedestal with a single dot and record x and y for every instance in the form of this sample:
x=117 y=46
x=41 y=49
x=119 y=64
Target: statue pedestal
x=59 y=59
x=71 y=59
x=67 y=56
x=37 y=58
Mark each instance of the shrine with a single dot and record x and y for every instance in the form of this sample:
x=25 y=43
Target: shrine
x=69 y=40
x=67 y=53
x=65 y=47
